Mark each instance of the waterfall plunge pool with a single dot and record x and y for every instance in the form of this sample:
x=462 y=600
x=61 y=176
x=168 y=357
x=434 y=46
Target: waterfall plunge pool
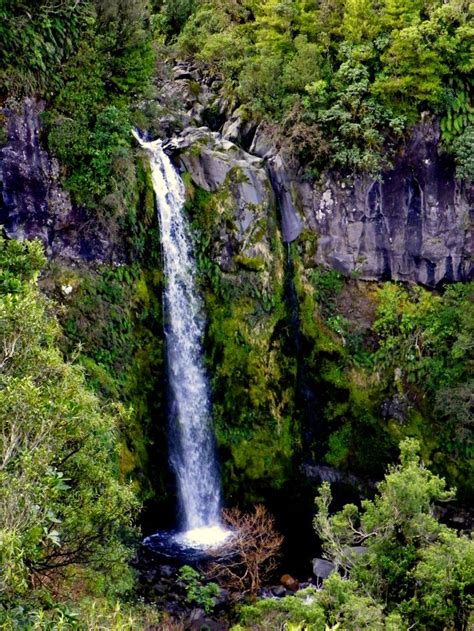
x=203 y=538
x=191 y=545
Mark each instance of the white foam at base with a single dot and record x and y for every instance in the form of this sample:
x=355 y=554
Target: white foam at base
x=203 y=538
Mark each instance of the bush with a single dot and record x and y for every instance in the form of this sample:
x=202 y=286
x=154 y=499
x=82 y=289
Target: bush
x=252 y=551
x=61 y=501
x=196 y=592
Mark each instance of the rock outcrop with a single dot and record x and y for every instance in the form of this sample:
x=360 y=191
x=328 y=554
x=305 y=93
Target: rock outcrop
x=413 y=224
x=32 y=202
x=247 y=202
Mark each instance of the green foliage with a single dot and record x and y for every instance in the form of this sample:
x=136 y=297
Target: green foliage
x=20 y=263
x=459 y=117
x=173 y=16
x=89 y=613
x=347 y=74
x=327 y=284
x=423 y=337
x=88 y=123
x=36 y=37
x=114 y=316
x=463 y=149
x=405 y=559
x=388 y=362
x=91 y=60
x=339 y=605
x=62 y=503
x=303 y=608
x=94 y=156
x=445 y=576
x=197 y=592
x=411 y=571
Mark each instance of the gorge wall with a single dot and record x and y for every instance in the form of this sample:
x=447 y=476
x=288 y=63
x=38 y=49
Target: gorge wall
x=254 y=218
x=414 y=224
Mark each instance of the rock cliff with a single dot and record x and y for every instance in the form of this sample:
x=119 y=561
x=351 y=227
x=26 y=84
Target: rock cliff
x=32 y=202
x=413 y=224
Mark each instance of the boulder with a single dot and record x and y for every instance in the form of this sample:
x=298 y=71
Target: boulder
x=239 y=128
x=289 y=582
x=322 y=568
x=279 y=591
x=263 y=144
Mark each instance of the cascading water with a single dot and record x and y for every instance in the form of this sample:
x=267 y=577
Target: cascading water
x=191 y=440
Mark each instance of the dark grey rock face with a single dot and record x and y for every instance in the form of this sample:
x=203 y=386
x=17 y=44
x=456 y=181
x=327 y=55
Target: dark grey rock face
x=32 y=202
x=415 y=224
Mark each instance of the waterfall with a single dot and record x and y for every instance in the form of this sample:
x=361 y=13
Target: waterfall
x=191 y=445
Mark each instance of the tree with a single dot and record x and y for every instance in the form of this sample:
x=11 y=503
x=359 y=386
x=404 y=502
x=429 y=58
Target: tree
x=403 y=544
x=61 y=501
x=250 y=554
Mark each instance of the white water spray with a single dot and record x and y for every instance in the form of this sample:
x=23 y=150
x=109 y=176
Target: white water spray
x=191 y=441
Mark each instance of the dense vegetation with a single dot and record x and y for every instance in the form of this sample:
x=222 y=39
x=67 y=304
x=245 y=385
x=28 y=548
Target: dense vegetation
x=66 y=514
x=410 y=572
x=406 y=372
x=344 y=79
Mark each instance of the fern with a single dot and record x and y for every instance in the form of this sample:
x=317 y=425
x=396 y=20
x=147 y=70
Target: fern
x=459 y=112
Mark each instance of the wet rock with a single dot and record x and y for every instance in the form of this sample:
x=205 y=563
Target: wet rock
x=222 y=599
x=291 y=223
x=322 y=568
x=324 y=473
x=184 y=72
x=239 y=129
x=32 y=201
x=197 y=621
x=352 y=553
x=397 y=408
x=414 y=223
x=159 y=590
x=263 y=144
x=167 y=571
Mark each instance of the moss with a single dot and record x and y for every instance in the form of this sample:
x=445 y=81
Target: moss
x=252 y=373
x=3 y=129
x=256 y=263
x=114 y=316
x=266 y=455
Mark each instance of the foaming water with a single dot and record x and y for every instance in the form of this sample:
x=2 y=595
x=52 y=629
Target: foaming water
x=203 y=538
x=191 y=447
